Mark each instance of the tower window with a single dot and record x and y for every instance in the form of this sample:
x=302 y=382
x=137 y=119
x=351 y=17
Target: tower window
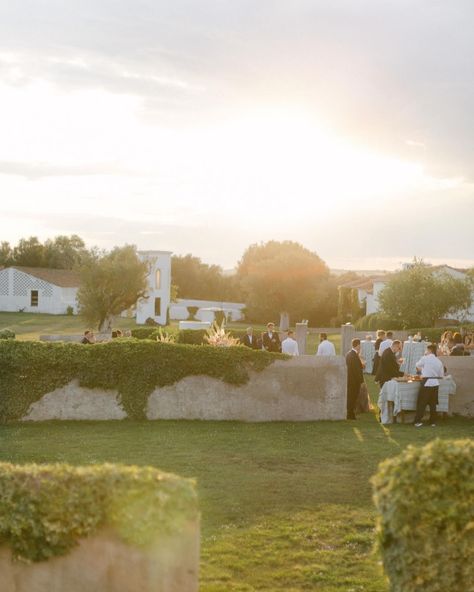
x=158 y=279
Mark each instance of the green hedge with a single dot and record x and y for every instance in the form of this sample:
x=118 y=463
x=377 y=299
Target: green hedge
x=375 y=321
x=191 y=336
x=134 y=368
x=45 y=509
x=425 y=497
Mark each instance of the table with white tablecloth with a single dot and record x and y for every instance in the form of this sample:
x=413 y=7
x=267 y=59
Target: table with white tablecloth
x=411 y=353
x=397 y=397
x=367 y=351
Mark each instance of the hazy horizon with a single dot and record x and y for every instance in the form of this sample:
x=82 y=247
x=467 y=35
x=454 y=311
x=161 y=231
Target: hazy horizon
x=204 y=128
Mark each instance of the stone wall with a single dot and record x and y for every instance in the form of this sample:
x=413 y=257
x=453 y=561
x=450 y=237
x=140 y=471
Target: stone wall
x=306 y=388
x=105 y=563
x=462 y=370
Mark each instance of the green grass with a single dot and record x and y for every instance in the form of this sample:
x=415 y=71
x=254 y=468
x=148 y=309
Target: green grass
x=31 y=325
x=286 y=506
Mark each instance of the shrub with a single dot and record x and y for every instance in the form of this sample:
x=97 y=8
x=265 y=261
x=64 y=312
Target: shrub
x=192 y=336
x=69 y=311
x=144 y=332
x=134 y=368
x=165 y=337
x=7 y=334
x=45 y=509
x=375 y=321
x=425 y=499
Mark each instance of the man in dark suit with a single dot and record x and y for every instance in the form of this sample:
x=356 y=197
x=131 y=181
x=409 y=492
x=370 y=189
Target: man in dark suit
x=271 y=340
x=249 y=340
x=389 y=366
x=355 y=377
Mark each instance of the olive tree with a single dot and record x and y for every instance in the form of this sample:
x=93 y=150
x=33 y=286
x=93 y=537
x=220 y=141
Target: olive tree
x=419 y=296
x=111 y=283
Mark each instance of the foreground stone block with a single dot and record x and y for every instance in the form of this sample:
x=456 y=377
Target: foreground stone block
x=104 y=563
x=462 y=370
x=97 y=528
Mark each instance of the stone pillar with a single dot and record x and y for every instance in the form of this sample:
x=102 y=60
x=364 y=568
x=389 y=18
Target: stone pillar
x=301 y=335
x=347 y=335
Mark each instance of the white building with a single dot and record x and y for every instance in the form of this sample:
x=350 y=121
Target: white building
x=38 y=289
x=155 y=306
x=206 y=309
x=369 y=287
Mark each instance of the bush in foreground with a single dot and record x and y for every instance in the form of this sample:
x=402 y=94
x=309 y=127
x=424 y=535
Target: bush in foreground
x=46 y=509
x=425 y=497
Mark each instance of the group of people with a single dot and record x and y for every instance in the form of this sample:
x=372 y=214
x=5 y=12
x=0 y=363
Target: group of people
x=270 y=341
x=387 y=362
x=453 y=344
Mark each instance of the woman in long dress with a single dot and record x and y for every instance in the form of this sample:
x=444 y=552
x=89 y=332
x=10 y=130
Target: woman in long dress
x=446 y=344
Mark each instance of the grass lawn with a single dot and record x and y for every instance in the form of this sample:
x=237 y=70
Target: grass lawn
x=286 y=506
x=28 y=325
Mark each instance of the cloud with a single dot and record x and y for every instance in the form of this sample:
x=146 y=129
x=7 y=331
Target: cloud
x=38 y=170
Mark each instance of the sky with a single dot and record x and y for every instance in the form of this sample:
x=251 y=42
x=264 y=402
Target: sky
x=203 y=127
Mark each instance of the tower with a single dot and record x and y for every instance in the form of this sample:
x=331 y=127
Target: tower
x=156 y=305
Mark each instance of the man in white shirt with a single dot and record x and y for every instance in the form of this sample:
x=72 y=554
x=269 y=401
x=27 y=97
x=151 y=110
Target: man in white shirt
x=325 y=347
x=289 y=345
x=386 y=343
x=431 y=369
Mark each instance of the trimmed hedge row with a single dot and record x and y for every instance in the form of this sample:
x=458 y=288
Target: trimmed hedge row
x=46 y=509
x=425 y=497
x=134 y=368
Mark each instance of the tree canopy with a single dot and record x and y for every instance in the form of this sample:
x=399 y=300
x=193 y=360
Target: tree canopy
x=420 y=295
x=110 y=284
x=195 y=279
x=61 y=252
x=282 y=278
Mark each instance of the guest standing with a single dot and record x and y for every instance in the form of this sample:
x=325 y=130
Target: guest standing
x=270 y=339
x=290 y=345
x=458 y=348
x=431 y=370
x=376 y=360
x=389 y=365
x=249 y=339
x=89 y=337
x=355 y=378
x=386 y=343
x=325 y=347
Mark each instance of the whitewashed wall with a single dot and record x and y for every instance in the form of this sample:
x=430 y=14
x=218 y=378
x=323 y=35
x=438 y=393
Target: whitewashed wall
x=15 y=294
x=146 y=307
x=179 y=310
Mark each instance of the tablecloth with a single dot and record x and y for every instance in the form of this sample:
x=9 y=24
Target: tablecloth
x=367 y=351
x=404 y=396
x=411 y=353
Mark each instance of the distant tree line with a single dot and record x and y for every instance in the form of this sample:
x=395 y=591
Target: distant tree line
x=281 y=281
x=61 y=252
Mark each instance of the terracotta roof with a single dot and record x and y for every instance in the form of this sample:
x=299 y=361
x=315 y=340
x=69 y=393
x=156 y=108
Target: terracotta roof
x=65 y=278
x=366 y=283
